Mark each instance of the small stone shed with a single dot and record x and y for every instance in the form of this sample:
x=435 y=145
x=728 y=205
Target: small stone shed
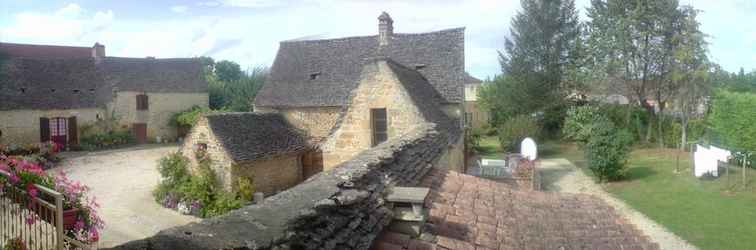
x=262 y=147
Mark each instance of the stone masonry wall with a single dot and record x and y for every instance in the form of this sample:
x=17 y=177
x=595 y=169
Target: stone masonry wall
x=221 y=161
x=378 y=88
x=273 y=175
x=316 y=121
x=161 y=107
x=22 y=126
x=342 y=208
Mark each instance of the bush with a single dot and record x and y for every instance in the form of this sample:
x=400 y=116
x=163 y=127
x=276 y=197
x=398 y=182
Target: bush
x=514 y=130
x=196 y=194
x=245 y=188
x=577 y=124
x=106 y=139
x=472 y=139
x=733 y=120
x=188 y=118
x=606 y=150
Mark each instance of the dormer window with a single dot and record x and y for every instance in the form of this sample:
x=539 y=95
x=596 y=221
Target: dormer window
x=76 y=91
x=314 y=76
x=23 y=90
x=52 y=90
x=419 y=66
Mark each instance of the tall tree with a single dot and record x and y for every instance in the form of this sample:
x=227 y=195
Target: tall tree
x=690 y=68
x=227 y=71
x=631 y=41
x=538 y=54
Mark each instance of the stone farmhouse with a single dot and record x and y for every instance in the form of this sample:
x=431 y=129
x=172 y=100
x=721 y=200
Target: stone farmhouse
x=343 y=96
x=350 y=94
x=48 y=92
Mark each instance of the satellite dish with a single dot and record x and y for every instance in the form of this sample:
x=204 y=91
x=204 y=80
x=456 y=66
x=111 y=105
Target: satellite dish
x=528 y=149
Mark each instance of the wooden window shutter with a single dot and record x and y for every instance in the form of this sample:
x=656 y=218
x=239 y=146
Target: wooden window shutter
x=44 y=129
x=379 y=125
x=73 y=136
x=142 y=102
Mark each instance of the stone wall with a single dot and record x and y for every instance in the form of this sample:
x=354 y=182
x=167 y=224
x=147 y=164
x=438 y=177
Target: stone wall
x=378 y=88
x=22 y=126
x=338 y=209
x=221 y=160
x=316 y=121
x=272 y=175
x=161 y=107
x=479 y=116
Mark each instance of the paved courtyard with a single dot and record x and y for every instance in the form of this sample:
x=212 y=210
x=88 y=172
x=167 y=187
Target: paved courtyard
x=123 y=180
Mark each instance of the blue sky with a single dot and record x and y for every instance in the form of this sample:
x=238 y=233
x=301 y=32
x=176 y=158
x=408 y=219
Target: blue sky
x=248 y=31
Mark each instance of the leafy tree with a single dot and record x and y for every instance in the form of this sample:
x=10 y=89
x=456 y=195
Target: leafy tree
x=240 y=93
x=690 y=69
x=646 y=46
x=733 y=121
x=538 y=55
x=227 y=71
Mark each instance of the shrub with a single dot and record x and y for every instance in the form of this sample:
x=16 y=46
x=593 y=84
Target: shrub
x=472 y=139
x=245 y=188
x=188 y=118
x=514 y=130
x=577 y=124
x=173 y=169
x=606 y=150
x=733 y=121
x=106 y=139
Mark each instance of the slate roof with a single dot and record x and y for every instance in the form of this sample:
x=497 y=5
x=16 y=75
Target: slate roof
x=248 y=136
x=49 y=84
x=88 y=83
x=174 y=75
x=471 y=79
x=468 y=212
x=18 y=50
x=339 y=63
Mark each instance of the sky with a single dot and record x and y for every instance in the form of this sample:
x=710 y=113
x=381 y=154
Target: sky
x=249 y=31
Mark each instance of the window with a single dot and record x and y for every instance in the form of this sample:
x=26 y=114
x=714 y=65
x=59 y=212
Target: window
x=142 y=103
x=58 y=127
x=314 y=76
x=468 y=118
x=379 y=125
x=419 y=66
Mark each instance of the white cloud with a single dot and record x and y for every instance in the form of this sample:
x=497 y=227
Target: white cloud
x=252 y=3
x=70 y=24
x=209 y=3
x=179 y=8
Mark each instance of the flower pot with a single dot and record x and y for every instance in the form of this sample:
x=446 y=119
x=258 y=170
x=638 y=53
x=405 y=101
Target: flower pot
x=69 y=218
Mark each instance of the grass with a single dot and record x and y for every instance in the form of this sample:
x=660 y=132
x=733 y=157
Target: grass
x=711 y=214
x=490 y=147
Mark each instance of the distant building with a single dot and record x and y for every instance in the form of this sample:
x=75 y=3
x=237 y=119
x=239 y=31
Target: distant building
x=47 y=93
x=475 y=116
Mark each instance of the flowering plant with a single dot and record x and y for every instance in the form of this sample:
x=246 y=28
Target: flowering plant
x=24 y=174
x=15 y=244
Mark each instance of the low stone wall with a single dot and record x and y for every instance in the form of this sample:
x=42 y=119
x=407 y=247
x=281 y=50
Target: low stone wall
x=338 y=209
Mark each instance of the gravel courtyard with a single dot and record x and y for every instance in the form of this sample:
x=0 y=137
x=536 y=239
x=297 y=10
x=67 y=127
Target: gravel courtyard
x=123 y=180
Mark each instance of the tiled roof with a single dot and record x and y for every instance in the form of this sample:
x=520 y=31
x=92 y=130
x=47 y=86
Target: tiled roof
x=248 y=136
x=175 y=75
x=468 y=212
x=49 y=84
x=471 y=79
x=44 y=51
x=338 y=62
x=87 y=82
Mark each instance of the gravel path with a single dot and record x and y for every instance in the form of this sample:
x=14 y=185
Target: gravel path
x=560 y=175
x=123 y=180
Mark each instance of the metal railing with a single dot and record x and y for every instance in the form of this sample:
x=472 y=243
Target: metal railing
x=36 y=221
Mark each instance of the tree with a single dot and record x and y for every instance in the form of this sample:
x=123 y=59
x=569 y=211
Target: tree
x=690 y=69
x=240 y=93
x=227 y=71
x=537 y=56
x=633 y=43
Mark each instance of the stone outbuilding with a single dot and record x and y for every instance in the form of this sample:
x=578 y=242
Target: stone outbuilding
x=262 y=147
x=47 y=93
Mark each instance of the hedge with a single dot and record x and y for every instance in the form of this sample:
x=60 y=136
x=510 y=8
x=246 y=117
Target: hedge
x=733 y=120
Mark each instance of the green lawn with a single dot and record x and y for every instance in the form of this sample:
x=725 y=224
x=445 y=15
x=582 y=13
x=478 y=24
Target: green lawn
x=711 y=214
x=490 y=148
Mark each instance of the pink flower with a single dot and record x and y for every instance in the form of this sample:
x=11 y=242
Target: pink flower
x=30 y=219
x=32 y=190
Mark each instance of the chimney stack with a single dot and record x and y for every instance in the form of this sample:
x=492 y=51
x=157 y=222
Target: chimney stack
x=385 y=28
x=98 y=50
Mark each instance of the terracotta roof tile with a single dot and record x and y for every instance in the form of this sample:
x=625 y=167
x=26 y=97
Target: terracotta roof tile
x=467 y=212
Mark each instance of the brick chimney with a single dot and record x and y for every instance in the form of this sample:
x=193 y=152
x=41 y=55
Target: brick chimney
x=385 y=28
x=98 y=50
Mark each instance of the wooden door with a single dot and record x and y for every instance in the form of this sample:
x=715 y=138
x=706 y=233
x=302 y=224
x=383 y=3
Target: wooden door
x=140 y=132
x=312 y=163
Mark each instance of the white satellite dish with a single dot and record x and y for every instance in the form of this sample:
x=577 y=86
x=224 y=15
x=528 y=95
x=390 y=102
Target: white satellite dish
x=528 y=149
